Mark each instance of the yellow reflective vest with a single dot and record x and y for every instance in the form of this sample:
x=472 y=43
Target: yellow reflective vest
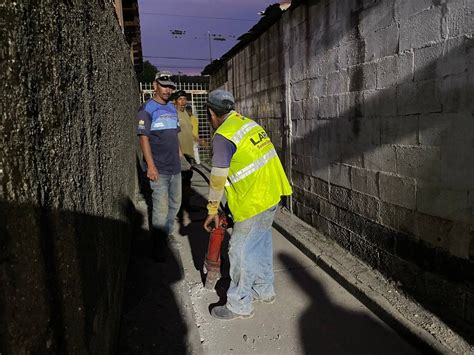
x=256 y=179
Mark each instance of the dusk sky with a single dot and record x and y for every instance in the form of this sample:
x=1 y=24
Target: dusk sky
x=157 y=24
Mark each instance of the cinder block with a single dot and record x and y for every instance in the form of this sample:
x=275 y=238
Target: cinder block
x=365 y=205
x=297 y=193
x=421 y=97
x=341 y=235
x=297 y=144
x=308 y=143
x=337 y=82
x=305 y=213
x=419 y=162
x=328 y=63
x=375 y=18
x=460 y=19
x=460 y=239
x=380 y=103
x=328 y=107
x=312 y=201
x=319 y=187
x=439 y=60
x=397 y=217
x=340 y=175
x=350 y=104
x=421 y=29
x=340 y=196
x=298 y=70
x=320 y=168
x=328 y=210
x=433 y=230
x=364 y=250
x=382 y=158
x=399 y=130
x=433 y=128
x=357 y=131
x=297 y=163
x=317 y=87
x=444 y=203
x=311 y=108
x=398 y=190
x=300 y=90
x=457 y=170
x=387 y=72
x=382 y=43
x=362 y=77
x=297 y=110
x=405 y=9
x=351 y=53
x=320 y=223
x=365 y=181
x=453 y=93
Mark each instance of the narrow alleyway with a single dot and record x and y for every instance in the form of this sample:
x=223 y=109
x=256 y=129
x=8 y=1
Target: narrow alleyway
x=167 y=307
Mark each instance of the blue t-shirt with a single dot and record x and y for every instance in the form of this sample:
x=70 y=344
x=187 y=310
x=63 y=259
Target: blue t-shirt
x=161 y=125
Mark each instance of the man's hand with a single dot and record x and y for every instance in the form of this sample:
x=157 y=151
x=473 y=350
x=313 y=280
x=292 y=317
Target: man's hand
x=211 y=218
x=152 y=173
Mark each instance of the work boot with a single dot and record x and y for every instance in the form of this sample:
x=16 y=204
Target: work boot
x=224 y=313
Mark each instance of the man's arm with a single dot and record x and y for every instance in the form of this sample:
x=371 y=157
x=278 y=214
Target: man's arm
x=223 y=150
x=152 y=172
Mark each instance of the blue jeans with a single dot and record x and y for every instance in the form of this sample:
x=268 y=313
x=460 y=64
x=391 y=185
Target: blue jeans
x=166 y=202
x=251 y=262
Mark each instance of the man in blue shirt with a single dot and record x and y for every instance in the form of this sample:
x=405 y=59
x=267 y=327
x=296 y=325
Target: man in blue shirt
x=158 y=128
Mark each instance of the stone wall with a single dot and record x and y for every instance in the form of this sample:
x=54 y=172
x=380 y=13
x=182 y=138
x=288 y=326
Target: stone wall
x=382 y=136
x=67 y=167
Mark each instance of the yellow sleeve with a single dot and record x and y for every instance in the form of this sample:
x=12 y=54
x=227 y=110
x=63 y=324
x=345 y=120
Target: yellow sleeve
x=195 y=126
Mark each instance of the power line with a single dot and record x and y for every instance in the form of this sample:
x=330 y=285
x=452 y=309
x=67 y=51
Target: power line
x=151 y=56
x=206 y=17
x=178 y=67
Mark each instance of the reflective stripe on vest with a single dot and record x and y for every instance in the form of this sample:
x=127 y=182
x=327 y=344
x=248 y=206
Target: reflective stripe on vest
x=237 y=137
x=253 y=167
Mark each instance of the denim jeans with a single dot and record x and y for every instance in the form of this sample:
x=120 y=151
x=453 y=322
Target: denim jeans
x=251 y=262
x=166 y=202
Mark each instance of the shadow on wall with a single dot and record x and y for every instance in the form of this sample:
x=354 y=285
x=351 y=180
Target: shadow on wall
x=62 y=275
x=329 y=328
x=395 y=140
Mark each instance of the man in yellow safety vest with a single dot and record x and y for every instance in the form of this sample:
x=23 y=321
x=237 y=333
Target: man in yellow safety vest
x=245 y=165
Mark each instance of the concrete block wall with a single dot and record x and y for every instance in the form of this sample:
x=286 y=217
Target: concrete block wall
x=391 y=140
x=382 y=135
x=256 y=81
x=67 y=167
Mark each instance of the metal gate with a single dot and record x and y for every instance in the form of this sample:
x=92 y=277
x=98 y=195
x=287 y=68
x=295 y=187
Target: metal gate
x=198 y=93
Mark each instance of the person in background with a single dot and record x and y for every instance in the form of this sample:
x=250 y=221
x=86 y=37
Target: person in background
x=245 y=165
x=185 y=137
x=158 y=128
x=195 y=128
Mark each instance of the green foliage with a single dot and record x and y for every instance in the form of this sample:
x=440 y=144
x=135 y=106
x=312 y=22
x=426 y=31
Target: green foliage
x=148 y=73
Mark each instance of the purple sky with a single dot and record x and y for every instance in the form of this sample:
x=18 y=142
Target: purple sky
x=157 y=41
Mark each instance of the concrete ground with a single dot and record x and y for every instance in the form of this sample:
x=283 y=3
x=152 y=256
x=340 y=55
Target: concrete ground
x=312 y=313
x=167 y=308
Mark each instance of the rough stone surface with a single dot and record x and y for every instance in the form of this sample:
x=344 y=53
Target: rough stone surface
x=67 y=176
